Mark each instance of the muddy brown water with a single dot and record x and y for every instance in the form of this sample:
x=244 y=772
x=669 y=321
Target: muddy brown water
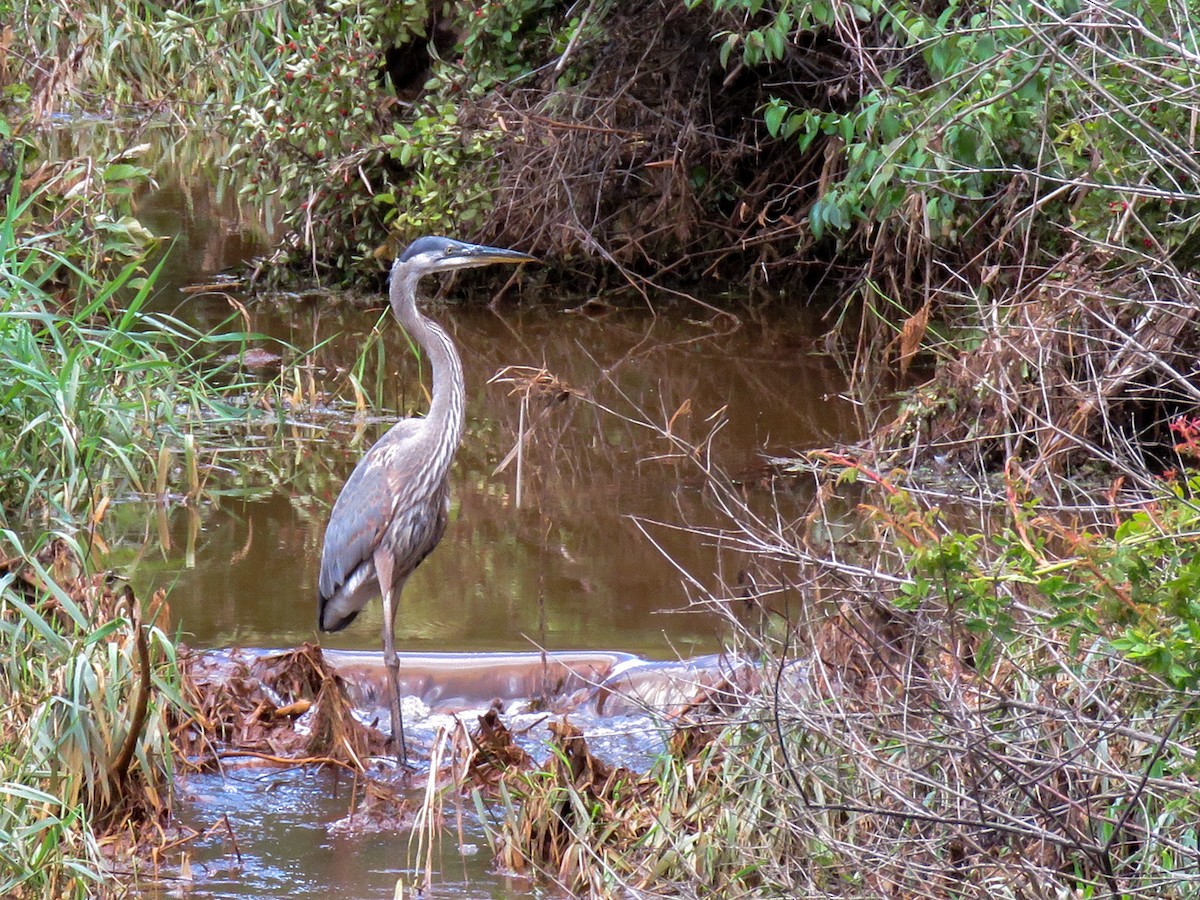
x=568 y=569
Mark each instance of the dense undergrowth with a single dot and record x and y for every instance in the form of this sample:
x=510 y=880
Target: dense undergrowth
x=929 y=711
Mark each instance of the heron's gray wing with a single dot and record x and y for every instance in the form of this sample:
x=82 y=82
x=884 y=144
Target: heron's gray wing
x=384 y=480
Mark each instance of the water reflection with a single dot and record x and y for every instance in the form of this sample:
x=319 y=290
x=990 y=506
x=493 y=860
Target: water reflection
x=191 y=200
x=566 y=570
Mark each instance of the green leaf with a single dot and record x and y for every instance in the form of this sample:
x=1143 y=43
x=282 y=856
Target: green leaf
x=731 y=41
x=774 y=116
x=776 y=44
x=124 y=172
x=815 y=224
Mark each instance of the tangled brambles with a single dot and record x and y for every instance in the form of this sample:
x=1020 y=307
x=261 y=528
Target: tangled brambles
x=1081 y=368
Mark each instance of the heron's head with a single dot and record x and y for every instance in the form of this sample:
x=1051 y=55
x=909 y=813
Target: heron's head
x=438 y=254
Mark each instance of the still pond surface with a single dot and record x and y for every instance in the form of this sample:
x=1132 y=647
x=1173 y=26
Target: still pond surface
x=569 y=568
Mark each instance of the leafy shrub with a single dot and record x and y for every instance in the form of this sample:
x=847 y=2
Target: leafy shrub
x=967 y=109
x=354 y=166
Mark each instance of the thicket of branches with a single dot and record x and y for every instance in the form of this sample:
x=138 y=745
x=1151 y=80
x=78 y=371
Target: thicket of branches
x=962 y=701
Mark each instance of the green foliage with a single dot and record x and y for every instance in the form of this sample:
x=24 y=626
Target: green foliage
x=81 y=214
x=449 y=164
x=97 y=394
x=306 y=94
x=302 y=89
x=1136 y=590
x=324 y=133
x=1098 y=117
x=1035 y=119
x=1154 y=594
x=308 y=126
x=447 y=189
x=93 y=394
x=107 y=56
x=504 y=41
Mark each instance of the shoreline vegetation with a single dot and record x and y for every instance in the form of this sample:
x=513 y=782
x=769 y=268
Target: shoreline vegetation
x=982 y=688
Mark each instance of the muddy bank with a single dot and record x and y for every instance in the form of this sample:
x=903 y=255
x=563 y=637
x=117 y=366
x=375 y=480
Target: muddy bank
x=1087 y=371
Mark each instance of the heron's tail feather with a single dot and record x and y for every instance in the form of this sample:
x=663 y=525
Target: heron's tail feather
x=335 y=613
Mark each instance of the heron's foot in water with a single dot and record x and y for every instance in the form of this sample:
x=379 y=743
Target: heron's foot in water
x=398 y=751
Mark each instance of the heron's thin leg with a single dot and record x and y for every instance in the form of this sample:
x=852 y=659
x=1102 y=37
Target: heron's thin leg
x=391 y=593
x=393 y=666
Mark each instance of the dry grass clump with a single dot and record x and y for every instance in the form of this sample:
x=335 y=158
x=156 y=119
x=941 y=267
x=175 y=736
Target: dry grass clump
x=494 y=752
x=575 y=807
x=1081 y=367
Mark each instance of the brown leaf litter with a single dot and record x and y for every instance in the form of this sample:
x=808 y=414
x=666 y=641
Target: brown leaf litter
x=253 y=706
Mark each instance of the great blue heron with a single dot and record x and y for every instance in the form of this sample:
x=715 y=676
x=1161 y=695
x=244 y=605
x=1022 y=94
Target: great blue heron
x=392 y=510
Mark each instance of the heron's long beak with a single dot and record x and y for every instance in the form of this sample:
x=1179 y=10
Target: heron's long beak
x=482 y=255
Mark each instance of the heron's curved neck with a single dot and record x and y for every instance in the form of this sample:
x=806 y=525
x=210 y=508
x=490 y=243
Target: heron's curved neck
x=445 y=416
